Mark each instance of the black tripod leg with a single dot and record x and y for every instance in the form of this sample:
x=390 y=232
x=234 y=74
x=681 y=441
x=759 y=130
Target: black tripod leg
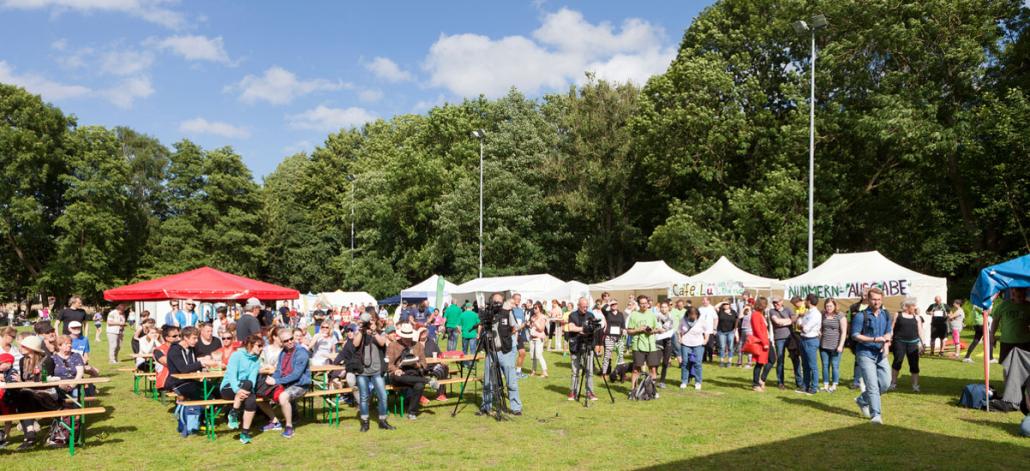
x=468 y=374
x=604 y=377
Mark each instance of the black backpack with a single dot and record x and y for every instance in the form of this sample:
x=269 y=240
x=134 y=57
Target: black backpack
x=645 y=390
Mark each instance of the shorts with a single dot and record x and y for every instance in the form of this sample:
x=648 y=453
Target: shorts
x=521 y=345
x=294 y=392
x=653 y=359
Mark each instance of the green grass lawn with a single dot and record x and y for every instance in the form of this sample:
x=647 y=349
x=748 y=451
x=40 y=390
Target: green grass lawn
x=724 y=426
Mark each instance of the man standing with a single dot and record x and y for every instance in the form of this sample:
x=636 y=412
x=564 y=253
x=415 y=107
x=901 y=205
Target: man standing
x=467 y=326
x=189 y=317
x=1012 y=316
x=938 y=313
x=810 y=325
x=452 y=318
x=582 y=348
x=248 y=324
x=871 y=332
x=782 y=318
x=709 y=319
x=173 y=314
x=73 y=312
x=520 y=328
x=504 y=345
x=643 y=326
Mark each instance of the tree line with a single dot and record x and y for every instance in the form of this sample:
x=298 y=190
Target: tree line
x=921 y=151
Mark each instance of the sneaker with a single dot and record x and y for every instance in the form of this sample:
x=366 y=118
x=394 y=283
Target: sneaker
x=271 y=427
x=683 y=385
x=863 y=408
x=915 y=388
x=801 y=390
x=994 y=360
x=781 y=386
x=234 y=422
x=825 y=387
x=517 y=413
x=572 y=396
x=697 y=386
x=592 y=396
x=811 y=392
x=660 y=385
x=833 y=388
x=26 y=444
x=245 y=438
x=411 y=417
x=384 y=425
x=876 y=420
x=288 y=432
x=423 y=401
x=442 y=397
x=967 y=360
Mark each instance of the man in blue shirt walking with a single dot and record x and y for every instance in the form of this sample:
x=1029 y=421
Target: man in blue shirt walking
x=871 y=331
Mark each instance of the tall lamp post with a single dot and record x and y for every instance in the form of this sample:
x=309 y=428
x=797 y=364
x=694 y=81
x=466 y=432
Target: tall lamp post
x=351 y=179
x=801 y=27
x=480 y=135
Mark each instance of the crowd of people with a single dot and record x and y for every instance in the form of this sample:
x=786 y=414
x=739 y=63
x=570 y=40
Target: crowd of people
x=268 y=354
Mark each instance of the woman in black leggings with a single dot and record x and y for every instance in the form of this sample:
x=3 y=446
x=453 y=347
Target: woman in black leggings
x=906 y=343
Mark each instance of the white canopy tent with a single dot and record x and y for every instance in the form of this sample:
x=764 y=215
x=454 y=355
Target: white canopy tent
x=847 y=275
x=529 y=286
x=723 y=278
x=570 y=292
x=340 y=298
x=427 y=289
x=643 y=278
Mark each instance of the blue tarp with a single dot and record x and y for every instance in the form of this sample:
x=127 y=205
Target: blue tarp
x=397 y=300
x=994 y=279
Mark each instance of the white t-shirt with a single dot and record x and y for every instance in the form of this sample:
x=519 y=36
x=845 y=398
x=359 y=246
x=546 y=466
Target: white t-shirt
x=115 y=317
x=707 y=317
x=811 y=323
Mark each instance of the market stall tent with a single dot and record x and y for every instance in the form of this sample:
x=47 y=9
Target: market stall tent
x=427 y=290
x=723 y=278
x=652 y=279
x=569 y=292
x=340 y=298
x=201 y=284
x=847 y=275
x=529 y=286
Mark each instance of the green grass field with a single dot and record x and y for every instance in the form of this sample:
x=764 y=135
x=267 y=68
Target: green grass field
x=722 y=427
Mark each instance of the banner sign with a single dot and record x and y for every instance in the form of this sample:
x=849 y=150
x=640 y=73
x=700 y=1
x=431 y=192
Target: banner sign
x=440 y=285
x=689 y=290
x=850 y=290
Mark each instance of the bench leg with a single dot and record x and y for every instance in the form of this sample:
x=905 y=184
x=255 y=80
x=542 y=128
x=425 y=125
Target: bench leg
x=135 y=384
x=71 y=438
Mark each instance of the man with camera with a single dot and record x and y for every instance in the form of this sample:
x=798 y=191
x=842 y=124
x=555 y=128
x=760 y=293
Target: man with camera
x=497 y=327
x=369 y=366
x=584 y=331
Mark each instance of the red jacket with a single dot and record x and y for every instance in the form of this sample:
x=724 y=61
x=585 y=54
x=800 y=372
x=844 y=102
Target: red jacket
x=760 y=332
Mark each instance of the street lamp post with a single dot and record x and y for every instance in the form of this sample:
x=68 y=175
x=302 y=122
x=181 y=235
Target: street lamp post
x=351 y=179
x=818 y=22
x=480 y=135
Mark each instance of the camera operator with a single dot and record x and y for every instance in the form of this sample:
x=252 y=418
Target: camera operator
x=371 y=363
x=584 y=331
x=497 y=316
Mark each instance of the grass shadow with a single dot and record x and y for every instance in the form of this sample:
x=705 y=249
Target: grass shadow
x=821 y=406
x=1007 y=427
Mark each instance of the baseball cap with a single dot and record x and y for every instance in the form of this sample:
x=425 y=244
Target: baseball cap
x=74 y=325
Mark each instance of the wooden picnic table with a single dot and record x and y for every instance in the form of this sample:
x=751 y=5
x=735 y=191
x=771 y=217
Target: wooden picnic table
x=52 y=384
x=433 y=361
x=327 y=368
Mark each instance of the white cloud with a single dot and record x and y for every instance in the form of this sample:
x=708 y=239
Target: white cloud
x=153 y=11
x=557 y=53
x=370 y=95
x=125 y=93
x=324 y=118
x=59 y=45
x=388 y=70
x=196 y=48
x=298 y=147
x=425 y=105
x=49 y=89
x=216 y=128
x=126 y=62
x=279 y=86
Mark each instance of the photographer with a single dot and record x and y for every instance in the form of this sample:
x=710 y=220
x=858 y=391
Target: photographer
x=500 y=322
x=369 y=367
x=406 y=362
x=584 y=331
x=643 y=325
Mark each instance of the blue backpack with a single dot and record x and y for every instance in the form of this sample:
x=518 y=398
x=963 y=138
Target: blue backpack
x=189 y=419
x=974 y=396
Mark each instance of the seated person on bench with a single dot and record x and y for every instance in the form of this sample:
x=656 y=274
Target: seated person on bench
x=238 y=384
x=406 y=363
x=439 y=370
x=183 y=359
x=291 y=379
x=34 y=362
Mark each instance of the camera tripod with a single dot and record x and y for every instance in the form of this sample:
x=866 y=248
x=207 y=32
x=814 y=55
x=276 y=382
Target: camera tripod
x=496 y=389
x=581 y=379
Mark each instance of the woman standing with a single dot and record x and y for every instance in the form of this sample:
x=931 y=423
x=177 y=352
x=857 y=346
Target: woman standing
x=615 y=320
x=115 y=324
x=745 y=331
x=371 y=349
x=762 y=354
x=538 y=336
x=726 y=333
x=906 y=343
x=693 y=336
x=831 y=343
x=956 y=320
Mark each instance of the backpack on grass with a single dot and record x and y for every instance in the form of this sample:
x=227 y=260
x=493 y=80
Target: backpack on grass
x=189 y=419
x=645 y=390
x=60 y=431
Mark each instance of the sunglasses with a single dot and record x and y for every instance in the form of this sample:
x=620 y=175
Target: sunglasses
x=226 y=338
x=288 y=340
x=173 y=336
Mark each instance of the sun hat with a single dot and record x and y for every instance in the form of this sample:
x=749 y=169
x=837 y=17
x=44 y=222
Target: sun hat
x=34 y=343
x=74 y=325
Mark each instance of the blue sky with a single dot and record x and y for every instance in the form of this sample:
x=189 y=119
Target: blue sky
x=273 y=78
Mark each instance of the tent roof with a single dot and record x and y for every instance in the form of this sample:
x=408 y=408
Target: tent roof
x=723 y=270
x=1014 y=273
x=859 y=266
x=202 y=284
x=528 y=285
x=426 y=286
x=344 y=298
x=643 y=275
x=567 y=292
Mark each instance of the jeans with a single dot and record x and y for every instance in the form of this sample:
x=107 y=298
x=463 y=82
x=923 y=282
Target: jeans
x=468 y=347
x=831 y=365
x=365 y=384
x=726 y=342
x=781 y=359
x=511 y=381
x=452 y=338
x=690 y=363
x=537 y=354
x=810 y=362
x=583 y=362
x=875 y=373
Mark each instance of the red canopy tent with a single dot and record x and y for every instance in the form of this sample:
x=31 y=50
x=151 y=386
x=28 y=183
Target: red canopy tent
x=202 y=284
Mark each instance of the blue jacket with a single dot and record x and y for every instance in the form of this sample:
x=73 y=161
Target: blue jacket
x=242 y=366
x=867 y=324
x=301 y=373
x=181 y=318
